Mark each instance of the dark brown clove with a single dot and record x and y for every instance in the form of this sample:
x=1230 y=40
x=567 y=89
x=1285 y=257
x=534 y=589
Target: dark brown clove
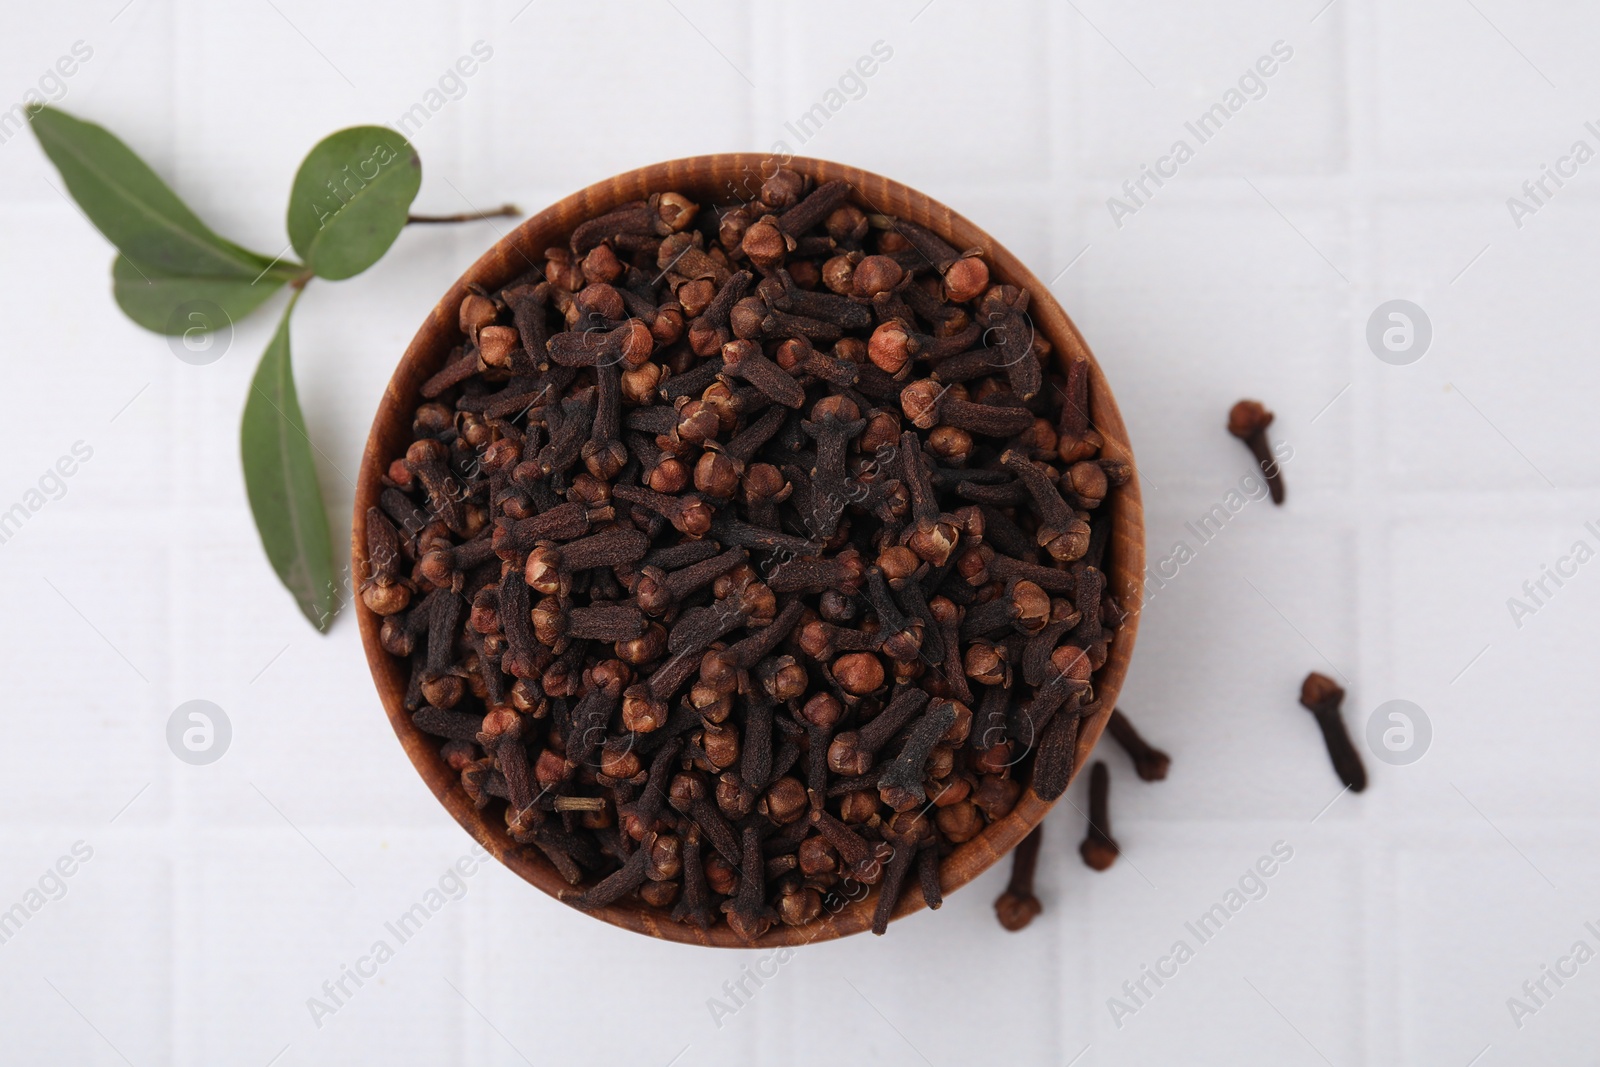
x=814 y=209
x=630 y=343
x=901 y=784
x=852 y=751
x=1149 y=762
x=688 y=514
x=565 y=522
x=928 y=403
x=1099 y=850
x=1017 y=906
x=748 y=915
x=1004 y=312
x=1056 y=758
x=1248 y=421
x=658 y=591
x=1322 y=696
x=906 y=833
x=859 y=858
x=625 y=880
x=709 y=330
x=743 y=360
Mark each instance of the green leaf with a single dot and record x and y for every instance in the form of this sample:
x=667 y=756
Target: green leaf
x=350 y=199
x=160 y=302
x=280 y=478
x=133 y=207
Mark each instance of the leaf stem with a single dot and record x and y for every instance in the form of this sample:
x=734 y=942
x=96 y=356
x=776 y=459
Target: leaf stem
x=298 y=282
x=504 y=211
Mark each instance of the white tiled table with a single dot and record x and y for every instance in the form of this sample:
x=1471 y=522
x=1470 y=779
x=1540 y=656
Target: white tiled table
x=1375 y=165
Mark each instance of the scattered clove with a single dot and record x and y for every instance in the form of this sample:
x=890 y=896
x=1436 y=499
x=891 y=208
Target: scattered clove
x=1248 y=421
x=1017 y=906
x=1322 y=696
x=1149 y=763
x=1099 y=850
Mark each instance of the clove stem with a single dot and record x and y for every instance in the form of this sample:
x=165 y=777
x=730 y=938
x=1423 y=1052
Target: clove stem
x=504 y=211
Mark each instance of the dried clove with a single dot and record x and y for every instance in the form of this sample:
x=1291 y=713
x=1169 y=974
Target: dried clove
x=1017 y=906
x=1099 y=850
x=1322 y=696
x=1149 y=762
x=1248 y=421
x=900 y=784
x=906 y=833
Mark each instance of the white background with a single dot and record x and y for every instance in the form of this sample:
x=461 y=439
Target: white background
x=1376 y=166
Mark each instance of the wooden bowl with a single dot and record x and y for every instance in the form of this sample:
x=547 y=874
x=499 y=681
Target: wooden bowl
x=727 y=178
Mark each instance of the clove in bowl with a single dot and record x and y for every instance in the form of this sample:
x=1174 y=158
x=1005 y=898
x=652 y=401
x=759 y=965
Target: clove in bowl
x=476 y=715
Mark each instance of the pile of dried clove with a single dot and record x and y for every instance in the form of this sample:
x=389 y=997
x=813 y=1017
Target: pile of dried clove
x=748 y=556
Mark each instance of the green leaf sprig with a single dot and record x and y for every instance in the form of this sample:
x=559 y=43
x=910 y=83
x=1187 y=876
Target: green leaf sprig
x=350 y=199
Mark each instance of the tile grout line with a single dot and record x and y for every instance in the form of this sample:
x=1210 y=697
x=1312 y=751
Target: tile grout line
x=187 y=21
x=1372 y=546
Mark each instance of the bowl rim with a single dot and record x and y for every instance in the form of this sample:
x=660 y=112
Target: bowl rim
x=521 y=249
